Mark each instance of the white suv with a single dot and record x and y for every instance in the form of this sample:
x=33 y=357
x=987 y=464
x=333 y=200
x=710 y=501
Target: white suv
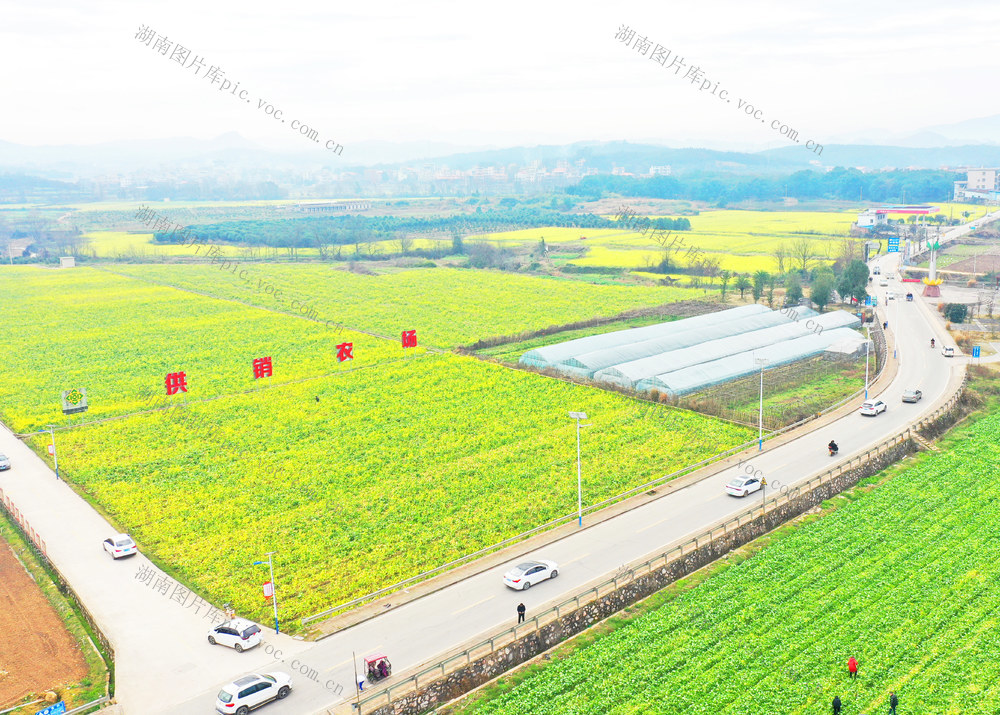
x=238 y=633
x=251 y=691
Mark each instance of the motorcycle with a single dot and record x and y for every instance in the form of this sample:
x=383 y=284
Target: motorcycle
x=833 y=449
x=932 y=342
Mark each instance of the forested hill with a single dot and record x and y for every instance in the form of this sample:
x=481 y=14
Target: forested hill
x=343 y=230
x=849 y=184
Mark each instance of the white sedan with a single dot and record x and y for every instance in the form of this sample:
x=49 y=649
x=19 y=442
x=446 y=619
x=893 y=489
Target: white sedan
x=524 y=576
x=873 y=407
x=741 y=486
x=120 y=545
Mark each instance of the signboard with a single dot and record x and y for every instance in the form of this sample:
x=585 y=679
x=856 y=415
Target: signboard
x=875 y=300
x=56 y=709
x=868 y=300
x=74 y=400
x=52 y=449
x=268 y=589
x=893 y=245
x=975 y=351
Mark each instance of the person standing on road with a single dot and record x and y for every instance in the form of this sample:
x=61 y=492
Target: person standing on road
x=836 y=705
x=893 y=702
x=852 y=667
x=520 y=613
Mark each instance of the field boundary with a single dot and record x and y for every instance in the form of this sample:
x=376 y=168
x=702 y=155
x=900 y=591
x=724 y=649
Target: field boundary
x=466 y=668
x=62 y=584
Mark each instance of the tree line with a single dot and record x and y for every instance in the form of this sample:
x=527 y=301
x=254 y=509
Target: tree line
x=840 y=183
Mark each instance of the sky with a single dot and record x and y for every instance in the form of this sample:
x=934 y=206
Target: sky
x=494 y=75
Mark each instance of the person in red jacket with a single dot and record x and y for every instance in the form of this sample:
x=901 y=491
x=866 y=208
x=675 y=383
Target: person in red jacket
x=852 y=667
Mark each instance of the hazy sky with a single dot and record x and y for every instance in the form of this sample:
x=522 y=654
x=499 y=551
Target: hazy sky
x=495 y=74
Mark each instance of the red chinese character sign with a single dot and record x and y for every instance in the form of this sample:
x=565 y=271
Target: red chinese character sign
x=176 y=382
x=268 y=589
x=345 y=351
x=409 y=338
x=262 y=368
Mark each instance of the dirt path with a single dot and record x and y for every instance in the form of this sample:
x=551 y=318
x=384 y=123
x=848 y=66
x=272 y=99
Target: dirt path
x=37 y=653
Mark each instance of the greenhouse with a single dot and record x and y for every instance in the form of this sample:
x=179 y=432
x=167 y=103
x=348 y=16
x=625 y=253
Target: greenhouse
x=630 y=374
x=587 y=364
x=694 y=353
x=549 y=355
x=697 y=377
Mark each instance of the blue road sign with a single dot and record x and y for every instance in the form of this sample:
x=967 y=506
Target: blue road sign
x=975 y=351
x=56 y=709
x=893 y=245
x=868 y=300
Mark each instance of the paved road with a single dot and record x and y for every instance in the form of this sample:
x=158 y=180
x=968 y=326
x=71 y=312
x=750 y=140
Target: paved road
x=164 y=663
x=422 y=629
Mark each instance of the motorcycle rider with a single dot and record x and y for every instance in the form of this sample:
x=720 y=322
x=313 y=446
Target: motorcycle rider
x=832 y=447
x=932 y=342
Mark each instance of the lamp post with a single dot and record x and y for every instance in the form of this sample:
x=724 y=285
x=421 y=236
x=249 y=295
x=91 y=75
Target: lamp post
x=761 y=363
x=274 y=589
x=868 y=343
x=579 y=482
x=55 y=457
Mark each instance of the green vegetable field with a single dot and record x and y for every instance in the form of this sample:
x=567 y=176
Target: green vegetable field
x=906 y=578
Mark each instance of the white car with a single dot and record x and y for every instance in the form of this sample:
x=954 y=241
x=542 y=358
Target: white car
x=948 y=352
x=741 y=486
x=524 y=576
x=884 y=281
x=120 y=545
x=873 y=407
x=889 y=295
x=239 y=634
x=4 y=462
x=251 y=691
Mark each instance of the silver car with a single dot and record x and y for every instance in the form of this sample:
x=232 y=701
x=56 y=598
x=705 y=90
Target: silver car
x=4 y=463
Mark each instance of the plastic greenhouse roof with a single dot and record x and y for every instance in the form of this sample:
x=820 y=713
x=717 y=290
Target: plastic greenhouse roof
x=697 y=377
x=551 y=354
x=629 y=373
x=589 y=363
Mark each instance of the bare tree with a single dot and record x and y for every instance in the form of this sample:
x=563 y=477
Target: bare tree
x=802 y=251
x=405 y=242
x=780 y=254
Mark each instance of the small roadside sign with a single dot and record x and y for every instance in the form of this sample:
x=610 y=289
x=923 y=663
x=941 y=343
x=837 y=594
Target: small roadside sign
x=56 y=709
x=975 y=351
x=268 y=589
x=52 y=449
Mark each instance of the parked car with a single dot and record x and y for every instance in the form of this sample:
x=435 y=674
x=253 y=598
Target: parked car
x=251 y=691
x=873 y=407
x=876 y=270
x=912 y=395
x=948 y=352
x=889 y=295
x=120 y=545
x=524 y=576
x=4 y=463
x=883 y=281
x=741 y=486
x=238 y=634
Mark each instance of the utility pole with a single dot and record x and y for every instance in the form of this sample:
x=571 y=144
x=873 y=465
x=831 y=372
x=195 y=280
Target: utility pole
x=55 y=457
x=579 y=481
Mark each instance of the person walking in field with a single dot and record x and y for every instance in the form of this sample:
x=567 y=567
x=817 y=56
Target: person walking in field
x=893 y=702
x=836 y=705
x=520 y=613
x=852 y=667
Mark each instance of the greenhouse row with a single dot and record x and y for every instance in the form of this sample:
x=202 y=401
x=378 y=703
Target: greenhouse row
x=688 y=355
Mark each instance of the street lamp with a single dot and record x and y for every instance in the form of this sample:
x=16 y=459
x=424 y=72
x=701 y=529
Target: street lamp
x=274 y=590
x=579 y=484
x=868 y=343
x=761 y=363
x=55 y=458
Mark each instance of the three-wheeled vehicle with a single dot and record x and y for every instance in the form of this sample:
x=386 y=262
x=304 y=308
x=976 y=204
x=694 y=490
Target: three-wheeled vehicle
x=909 y=297
x=377 y=667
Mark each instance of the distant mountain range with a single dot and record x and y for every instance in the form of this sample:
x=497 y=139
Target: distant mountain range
x=972 y=142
